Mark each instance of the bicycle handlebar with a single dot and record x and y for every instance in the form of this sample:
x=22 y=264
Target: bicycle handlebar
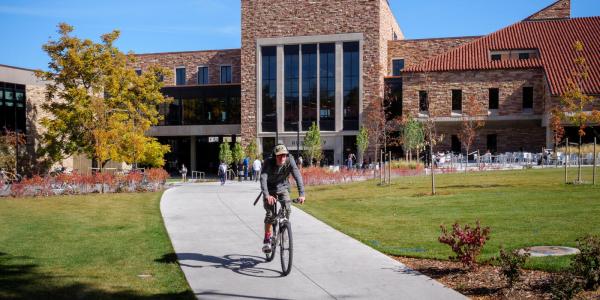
x=295 y=200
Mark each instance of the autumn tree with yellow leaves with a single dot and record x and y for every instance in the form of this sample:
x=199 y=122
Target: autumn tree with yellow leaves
x=97 y=105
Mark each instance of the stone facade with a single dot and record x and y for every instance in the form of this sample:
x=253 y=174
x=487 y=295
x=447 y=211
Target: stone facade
x=417 y=51
x=510 y=83
x=511 y=136
x=291 y=18
x=191 y=60
x=515 y=127
x=558 y=10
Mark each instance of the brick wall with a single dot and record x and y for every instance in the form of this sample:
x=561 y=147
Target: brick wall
x=191 y=60
x=388 y=27
x=474 y=83
x=512 y=136
x=416 y=51
x=287 y=18
x=558 y=10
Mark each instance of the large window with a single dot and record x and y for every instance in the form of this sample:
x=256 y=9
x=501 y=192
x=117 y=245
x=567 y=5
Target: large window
x=456 y=100
x=351 y=88
x=291 y=87
x=309 y=85
x=12 y=107
x=327 y=86
x=225 y=74
x=527 y=98
x=269 y=89
x=494 y=99
x=202 y=75
x=180 y=76
x=397 y=66
x=213 y=105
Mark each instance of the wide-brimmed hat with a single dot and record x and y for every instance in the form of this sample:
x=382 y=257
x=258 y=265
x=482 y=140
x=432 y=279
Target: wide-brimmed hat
x=281 y=149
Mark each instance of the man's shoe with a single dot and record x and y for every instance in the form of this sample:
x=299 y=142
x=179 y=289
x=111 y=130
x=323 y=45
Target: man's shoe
x=266 y=247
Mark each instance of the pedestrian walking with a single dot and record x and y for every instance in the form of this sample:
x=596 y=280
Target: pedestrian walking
x=183 y=172
x=222 y=172
x=246 y=167
x=351 y=159
x=256 y=167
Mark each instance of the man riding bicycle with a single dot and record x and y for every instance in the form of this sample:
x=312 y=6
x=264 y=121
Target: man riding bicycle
x=275 y=185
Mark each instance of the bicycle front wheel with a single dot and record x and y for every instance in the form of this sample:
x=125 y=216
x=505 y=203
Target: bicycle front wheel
x=286 y=248
x=271 y=255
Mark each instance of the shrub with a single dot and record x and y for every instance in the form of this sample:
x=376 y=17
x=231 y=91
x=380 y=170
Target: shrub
x=157 y=175
x=134 y=178
x=466 y=243
x=564 y=286
x=511 y=263
x=586 y=264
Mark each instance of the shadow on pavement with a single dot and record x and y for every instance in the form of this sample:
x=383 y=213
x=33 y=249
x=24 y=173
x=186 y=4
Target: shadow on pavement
x=242 y=264
x=227 y=295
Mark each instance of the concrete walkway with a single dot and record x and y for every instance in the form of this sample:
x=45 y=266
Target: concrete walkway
x=217 y=235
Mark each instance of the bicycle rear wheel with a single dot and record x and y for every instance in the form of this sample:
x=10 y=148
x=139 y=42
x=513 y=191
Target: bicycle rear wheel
x=286 y=248
x=270 y=256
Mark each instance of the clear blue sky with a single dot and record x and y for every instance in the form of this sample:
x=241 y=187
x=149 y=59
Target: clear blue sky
x=179 y=25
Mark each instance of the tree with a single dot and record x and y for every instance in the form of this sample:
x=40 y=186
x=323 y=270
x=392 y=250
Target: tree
x=238 y=152
x=9 y=143
x=432 y=138
x=362 y=143
x=104 y=108
x=577 y=108
x=471 y=122
x=413 y=136
x=225 y=154
x=312 y=144
x=558 y=130
x=251 y=150
x=383 y=122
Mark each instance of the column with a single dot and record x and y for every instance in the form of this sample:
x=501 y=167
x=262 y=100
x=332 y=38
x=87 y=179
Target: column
x=339 y=90
x=192 y=154
x=280 y=91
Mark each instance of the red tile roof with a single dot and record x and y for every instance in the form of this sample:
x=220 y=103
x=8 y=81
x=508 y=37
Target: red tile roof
x=553 y=38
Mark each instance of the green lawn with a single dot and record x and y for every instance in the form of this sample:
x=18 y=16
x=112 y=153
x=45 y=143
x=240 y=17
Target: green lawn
x=523 y=208
x=87 y=247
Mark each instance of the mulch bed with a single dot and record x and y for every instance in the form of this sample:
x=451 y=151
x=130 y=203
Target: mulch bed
x=487 y=282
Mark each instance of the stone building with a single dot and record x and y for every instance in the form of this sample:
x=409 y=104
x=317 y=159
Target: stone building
x=514 y=76
x=328 y=62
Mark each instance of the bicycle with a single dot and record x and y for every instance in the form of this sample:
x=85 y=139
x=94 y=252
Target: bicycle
x=9 y=178
x=282 y=236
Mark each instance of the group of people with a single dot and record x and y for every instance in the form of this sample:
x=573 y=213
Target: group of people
x=244 y=170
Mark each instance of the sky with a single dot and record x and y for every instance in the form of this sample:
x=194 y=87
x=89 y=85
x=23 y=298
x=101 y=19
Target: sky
x=183 y=25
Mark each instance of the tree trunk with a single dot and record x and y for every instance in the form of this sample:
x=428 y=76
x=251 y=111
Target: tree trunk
x=579 y=162
x=432 y=172
x=467 y=160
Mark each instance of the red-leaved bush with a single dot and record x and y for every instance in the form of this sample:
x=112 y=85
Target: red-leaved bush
x=466 y=243
x=157 y=175
x=77 y=183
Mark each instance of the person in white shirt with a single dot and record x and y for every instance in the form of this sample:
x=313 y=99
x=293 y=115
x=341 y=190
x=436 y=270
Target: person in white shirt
x=256 y=166
x=223 y=172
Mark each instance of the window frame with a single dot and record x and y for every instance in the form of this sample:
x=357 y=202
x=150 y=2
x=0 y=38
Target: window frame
x=529 y=108
x=207 y=75
x=426 y=104
x=230 y=73
x=184 y=75
x=454 y=109
x=497 y=102
x=392 y=66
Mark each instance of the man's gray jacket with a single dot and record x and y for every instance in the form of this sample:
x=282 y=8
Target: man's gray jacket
x=274 y=179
